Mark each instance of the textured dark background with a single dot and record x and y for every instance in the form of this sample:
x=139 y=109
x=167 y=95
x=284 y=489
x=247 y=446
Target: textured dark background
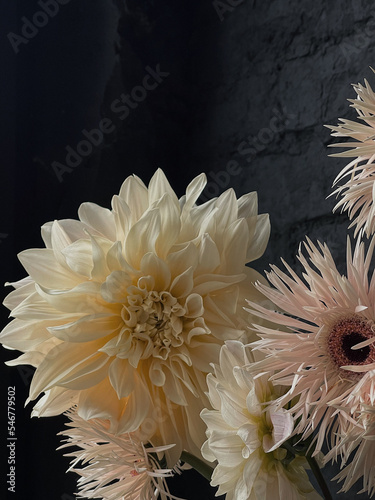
x=250 y=85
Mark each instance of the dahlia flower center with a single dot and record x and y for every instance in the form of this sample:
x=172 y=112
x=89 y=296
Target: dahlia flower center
x=154 y=321
x=346 y=334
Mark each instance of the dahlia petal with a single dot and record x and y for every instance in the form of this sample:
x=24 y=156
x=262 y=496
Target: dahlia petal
x=35 y=307
x=100 y=248
x=87 y=375
x=22 y=335
x=114 y=289
x=14 y=298
x=200 y=356
x=227 y=209
x=157 y=376
x=87 y=328
x=260 y=238
x=193 y=191
x=208 y=257
x=181 y=260
x=283 y=426
x=99 y=218
x=78 y=257
x=41 y=265
x=121 y=376
x=236 y=239
x=135 y=194
x=159 y=186
x=136 y=408
x=194 y=306
x=182 y=285
x=54 y=402
x=122 y=217
x=83 y=298
x=100 y=401
x=142 y=237
x=152 y=265
x=170 y=229
x=248 y=205
x=209 y=283
x=59 y=362
x=73 y=228
x=59 y=240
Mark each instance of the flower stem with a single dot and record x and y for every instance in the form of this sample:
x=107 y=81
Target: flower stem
x=319 y=476
x=197 y=464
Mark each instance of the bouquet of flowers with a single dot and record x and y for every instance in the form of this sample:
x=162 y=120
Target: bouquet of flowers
x=166 y=351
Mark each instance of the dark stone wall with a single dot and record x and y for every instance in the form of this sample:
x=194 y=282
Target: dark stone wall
x=245 y=89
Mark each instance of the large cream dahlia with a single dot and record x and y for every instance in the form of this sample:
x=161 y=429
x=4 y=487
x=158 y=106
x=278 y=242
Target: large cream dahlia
x=326 y=353
x=358 y=188
x=245 y=438
x=115 y=467
x=124 y=310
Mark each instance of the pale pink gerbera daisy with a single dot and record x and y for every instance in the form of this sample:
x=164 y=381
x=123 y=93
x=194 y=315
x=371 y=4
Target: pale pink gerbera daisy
x=327 y=356
x=358 y=189
x=115 y=467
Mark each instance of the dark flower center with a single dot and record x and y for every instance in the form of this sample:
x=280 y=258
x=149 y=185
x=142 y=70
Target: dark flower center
x=346 y=334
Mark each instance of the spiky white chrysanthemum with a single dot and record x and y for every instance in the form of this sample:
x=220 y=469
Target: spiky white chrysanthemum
x=245 y=438
x=327 y=356
x=358 y=189
x=125 y=309
x=115 y=467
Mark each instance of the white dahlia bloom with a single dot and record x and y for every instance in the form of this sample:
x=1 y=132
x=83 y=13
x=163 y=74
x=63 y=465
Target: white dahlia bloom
x=326 y=353
x=245 y=437
x=124 y=310
x=115 y=467
x=358 y=188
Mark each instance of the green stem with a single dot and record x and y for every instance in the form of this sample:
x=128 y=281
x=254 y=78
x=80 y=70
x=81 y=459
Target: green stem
x=200 y=466
x=319 y=476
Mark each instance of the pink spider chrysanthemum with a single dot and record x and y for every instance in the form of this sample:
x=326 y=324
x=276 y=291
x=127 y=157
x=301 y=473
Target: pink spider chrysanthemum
x=358 y=189
x=357 y=450
x=327 y=356
x=115 y=467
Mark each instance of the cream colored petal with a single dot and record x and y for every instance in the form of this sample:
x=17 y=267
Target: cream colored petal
x=54 y=402
x=209 y=283
x=122 y=217
x=99 y=218
x=135 y=194
x=152 y=265
x=35 y=307
x=159 y=186
x=84 y=298
x=236 y=240
x=182 y=284
x=100 y=401
x=23 y=335
x=60 y=362
x=100 y=248
x=73 y=228
x=142 y=238
x=41 y=265
x=14 y=298
x=193 y=191
x=182 y=259
x=115 y=287
x=194 y=306
x=209 y=257
x=88 y=375
x=248 y=205
x=260 y=238
x=170 y=228
x=78 y=257
x=122 y=377
x=136 y=407
x=227 y=209
x=91 y=327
